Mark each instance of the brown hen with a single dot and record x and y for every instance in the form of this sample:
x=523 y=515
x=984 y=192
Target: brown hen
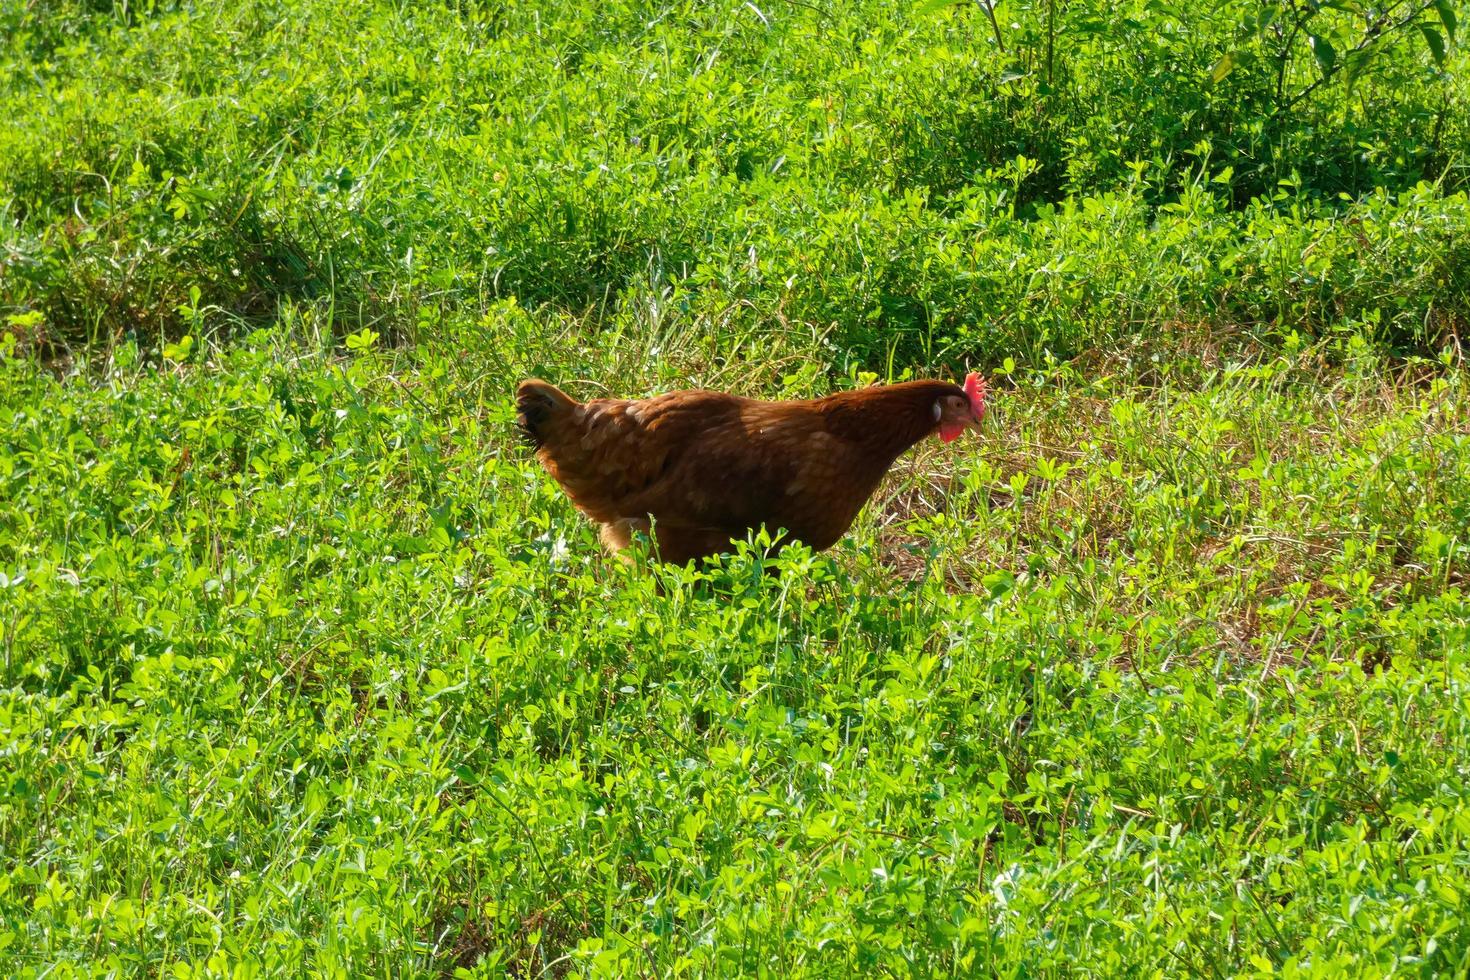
x=696 y=469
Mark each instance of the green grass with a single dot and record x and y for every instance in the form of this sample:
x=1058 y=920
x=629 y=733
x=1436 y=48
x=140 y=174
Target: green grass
x=882 y=175
x=307 y=668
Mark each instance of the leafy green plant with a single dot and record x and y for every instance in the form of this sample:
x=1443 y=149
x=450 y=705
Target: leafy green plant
x=306 y=667
x=617 y=164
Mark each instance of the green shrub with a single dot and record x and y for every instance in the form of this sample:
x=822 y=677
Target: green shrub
x=390 y=165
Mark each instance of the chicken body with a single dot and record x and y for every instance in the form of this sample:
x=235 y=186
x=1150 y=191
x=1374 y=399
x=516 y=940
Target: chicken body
x=695 y=469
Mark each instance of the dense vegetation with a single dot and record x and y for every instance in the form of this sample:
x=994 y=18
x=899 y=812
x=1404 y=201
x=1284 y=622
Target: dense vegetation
x=308 y=668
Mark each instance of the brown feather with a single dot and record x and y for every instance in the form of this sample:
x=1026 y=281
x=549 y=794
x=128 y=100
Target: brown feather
x=703 y=467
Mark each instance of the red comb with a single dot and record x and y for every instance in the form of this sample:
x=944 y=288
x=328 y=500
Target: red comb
x=975 y=389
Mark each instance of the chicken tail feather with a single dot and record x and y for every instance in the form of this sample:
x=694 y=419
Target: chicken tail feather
x=538 y=405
